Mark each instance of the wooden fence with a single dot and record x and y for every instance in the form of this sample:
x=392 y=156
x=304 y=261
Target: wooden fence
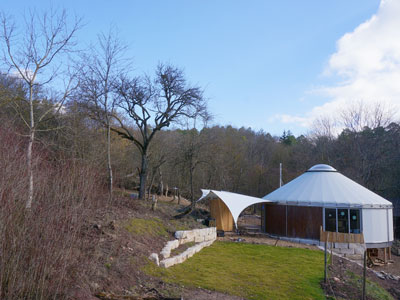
x=340 y=237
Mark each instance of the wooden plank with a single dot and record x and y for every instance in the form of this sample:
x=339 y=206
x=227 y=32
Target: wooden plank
x=340 y=237
x=275 y=216
x=304 y=222
x=223 y=217
x=384 y=254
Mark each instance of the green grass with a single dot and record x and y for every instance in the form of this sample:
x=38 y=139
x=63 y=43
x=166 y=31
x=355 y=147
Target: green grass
x=250 y=271
x=373 y=290
x=178 y=225
x=153 y=227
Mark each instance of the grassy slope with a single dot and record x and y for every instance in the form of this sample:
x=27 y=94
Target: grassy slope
x=373 y=290
x=251 y=271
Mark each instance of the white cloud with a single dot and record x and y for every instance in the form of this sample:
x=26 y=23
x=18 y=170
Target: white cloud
x=367 y=64
x=289 y=119
x=28 y=73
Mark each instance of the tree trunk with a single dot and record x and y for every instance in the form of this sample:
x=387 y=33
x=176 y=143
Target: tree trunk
x=191 y=185
x=153 y=175
x=110 y=173
x=154 y=203
x=30 y=146
x=30 y=169
x=143 y=176
x=161 y=184
x=166 y=191
x=192 y=200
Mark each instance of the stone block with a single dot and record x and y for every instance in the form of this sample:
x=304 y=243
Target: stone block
x=165 y=253
x=154 y=257
x=346 y=251
x=179 y=234
x=166 y=263
x=359 y=250
x=210 y=236
x=184 y=255
x=354 y=256
x=209 y=243
x=186 y=240
x=190 y=235
x=197 y=232
x=180 y=258
x=173 y=244
x=197 y=248
x=190 y=252
x=341 y=245
x=199 y=238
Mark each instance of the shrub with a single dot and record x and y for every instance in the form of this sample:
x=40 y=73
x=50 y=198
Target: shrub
x=41 y=248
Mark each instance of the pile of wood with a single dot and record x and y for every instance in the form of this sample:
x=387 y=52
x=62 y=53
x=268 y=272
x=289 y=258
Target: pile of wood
x=379 y=257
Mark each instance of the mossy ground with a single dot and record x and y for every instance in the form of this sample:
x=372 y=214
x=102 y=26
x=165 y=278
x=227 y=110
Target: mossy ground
x=250 y=271
x=153 y=226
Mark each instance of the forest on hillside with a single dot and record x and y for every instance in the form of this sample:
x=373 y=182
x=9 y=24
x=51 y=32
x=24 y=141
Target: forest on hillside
x=239 y=160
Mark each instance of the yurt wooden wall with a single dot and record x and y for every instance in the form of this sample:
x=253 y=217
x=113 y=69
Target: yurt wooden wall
x=293 y=221
x=220 y=212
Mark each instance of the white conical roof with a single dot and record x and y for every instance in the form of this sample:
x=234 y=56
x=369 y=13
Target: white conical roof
x=323 y=186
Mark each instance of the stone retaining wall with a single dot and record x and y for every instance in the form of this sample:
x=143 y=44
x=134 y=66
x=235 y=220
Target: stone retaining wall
x=203 y=237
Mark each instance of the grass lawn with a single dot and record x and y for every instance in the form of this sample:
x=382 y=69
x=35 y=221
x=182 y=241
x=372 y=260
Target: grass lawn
x=251 y=271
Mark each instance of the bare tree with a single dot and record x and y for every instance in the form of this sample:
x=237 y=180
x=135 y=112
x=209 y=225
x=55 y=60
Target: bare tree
x=153 y=105
x=191 y=150
x=32 y=57
x=324 y=126
x=360 y=115
x=101 y=68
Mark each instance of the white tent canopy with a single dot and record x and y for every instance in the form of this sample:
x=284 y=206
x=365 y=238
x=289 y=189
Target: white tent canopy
x=236 y=203
x=323 y=186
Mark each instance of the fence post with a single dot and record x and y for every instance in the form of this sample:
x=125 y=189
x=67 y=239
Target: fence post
x=364 y=275
x=325 y=271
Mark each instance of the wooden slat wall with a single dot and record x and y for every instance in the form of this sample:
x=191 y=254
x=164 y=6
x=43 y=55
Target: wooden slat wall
x=339 y=237
x=275 y=219
x=223 y=217
x=263 y=218
x=304 y=222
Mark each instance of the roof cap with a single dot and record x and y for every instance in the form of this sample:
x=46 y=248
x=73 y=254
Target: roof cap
x=322 y=168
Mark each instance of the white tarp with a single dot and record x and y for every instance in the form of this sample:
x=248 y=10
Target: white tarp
x=236 y=203
x=323 y=186
x=377 y=225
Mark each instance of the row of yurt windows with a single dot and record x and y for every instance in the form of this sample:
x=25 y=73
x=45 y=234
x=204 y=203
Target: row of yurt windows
x=342 y=220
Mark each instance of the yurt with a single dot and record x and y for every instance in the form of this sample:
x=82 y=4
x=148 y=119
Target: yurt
x=322 y=196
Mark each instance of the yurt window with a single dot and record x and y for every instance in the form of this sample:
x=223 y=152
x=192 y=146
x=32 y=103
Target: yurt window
x=330 y=219
x=355 y=221
x=343 y=220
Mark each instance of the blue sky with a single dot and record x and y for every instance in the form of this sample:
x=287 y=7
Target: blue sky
x=263 y=64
